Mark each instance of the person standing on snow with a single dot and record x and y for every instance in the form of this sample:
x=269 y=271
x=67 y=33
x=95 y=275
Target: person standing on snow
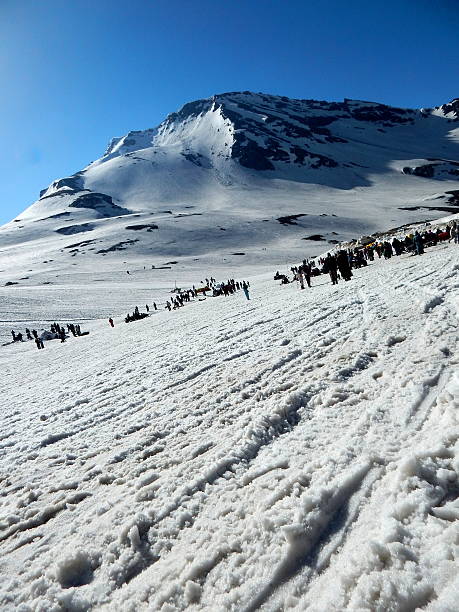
x=40 y=344
x=245 y=288
x=331 y=267
x=306 y=267
x=342 y=262
x=111 y=322
x=418 y=244
x=300 y=278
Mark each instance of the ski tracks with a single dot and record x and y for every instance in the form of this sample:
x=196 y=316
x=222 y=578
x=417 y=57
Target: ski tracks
x=226 y=470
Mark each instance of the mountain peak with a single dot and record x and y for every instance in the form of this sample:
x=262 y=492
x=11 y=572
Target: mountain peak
x=451 y=109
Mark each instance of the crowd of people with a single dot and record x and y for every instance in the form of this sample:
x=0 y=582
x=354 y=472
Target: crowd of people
x=135 y=316
x=211 y=288
x=339 y=265
x=55 y=332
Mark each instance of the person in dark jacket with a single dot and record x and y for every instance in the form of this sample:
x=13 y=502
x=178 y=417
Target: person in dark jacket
x=418 y=243
x=387 y=249
x=40 y=344
x=344 y=268
x=331 y=267
x=307 y=271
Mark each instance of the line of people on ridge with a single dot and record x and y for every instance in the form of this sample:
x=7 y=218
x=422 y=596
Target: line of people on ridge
x=182 y=297
x=215 y=289
x=341 y=263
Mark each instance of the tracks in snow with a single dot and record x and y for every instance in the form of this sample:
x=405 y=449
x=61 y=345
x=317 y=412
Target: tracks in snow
x=248 y=451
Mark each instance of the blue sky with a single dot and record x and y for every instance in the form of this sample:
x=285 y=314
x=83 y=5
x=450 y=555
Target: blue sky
x=75 y=73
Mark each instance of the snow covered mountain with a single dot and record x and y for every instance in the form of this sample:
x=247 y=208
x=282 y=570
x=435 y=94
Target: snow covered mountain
x=232 y=185
x=257 y=174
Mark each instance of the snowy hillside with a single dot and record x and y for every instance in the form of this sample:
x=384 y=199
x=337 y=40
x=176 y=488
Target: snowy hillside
x=232 y=185
x=262 y=175
x=298 y=451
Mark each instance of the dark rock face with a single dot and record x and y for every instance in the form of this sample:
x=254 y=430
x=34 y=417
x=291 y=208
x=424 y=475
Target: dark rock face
x=75 y=229
x=83 y=243
x=192 y=109
x=290 y=219
x=316 y=237
x=69 y=184
x=452 y=107
x=57 y=216
x=251 y=155
x=149 y=227
x=269 y=129
x=380 y=113
x=454 y=197
x=435 y=170
x=426 y=171
x=101 y=203
x=297 y=122
x=119 y=246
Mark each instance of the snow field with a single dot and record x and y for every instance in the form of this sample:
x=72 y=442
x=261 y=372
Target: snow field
x=295 y=451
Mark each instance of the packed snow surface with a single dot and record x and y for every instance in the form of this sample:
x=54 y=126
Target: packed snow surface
x=298 y=451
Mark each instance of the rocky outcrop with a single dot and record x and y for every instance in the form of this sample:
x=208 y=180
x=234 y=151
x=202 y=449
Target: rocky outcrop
x=438 y=168
x=64 y=186
x=101 y=203
x=451 y=110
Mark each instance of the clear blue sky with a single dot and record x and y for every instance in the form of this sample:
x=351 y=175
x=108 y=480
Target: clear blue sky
x=74 y=73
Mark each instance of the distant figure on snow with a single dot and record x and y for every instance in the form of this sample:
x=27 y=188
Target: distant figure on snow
x=39 y=342
x=111 y=322
x=418 y=244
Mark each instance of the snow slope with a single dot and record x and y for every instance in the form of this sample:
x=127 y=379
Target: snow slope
x=295 y=451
